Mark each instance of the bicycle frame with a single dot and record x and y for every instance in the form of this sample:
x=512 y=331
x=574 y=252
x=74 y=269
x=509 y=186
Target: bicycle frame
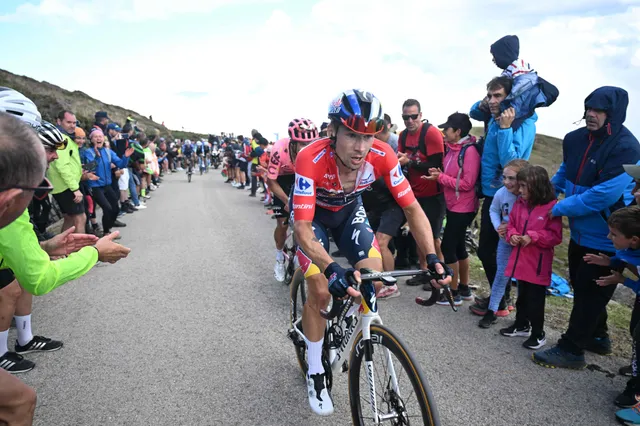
x=367 y=314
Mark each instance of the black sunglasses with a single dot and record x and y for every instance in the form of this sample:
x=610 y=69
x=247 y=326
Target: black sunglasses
x=410 y=116
x=39 y=193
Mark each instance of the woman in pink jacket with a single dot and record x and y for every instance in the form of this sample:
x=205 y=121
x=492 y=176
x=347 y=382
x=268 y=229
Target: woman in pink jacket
x=458 y=184
x=534 y=236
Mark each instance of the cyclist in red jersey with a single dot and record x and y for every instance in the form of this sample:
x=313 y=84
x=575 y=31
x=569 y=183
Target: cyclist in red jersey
x=331 y=173
x=280 y=177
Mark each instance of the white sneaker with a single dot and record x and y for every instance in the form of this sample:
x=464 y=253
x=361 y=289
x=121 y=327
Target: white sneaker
x=319 y=397
x=278 y=271
x=261 y=190
x=141 y=206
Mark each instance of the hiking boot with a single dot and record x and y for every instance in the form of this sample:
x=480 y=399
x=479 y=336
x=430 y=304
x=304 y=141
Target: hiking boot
x=465 y=292
x=600 y=346
x=629 y=416
x=389 y=292
x=14 y=363
x=488 y=320
x=556 y=357
x=535 y=342
x=514 y=331
x=417 y=280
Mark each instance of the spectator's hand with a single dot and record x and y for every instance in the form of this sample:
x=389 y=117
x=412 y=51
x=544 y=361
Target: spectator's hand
x=507 y=117
x=403 y=158
x=434 y=173
x=515 y=240
x=525 y=241
x=67 y=243
x=128 y=152
x=597 y=259
x=615 y=278
x=77 y=196
x=502 y=229
x=111 y=252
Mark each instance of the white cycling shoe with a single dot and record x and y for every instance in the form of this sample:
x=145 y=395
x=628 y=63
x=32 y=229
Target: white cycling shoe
x=319 y=396
x=278 y=271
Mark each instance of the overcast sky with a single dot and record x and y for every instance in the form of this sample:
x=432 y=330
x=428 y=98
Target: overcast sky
x=234 y=65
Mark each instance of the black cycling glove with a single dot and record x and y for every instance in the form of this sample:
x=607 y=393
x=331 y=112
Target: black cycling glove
x=340 y=279
x=432 y=261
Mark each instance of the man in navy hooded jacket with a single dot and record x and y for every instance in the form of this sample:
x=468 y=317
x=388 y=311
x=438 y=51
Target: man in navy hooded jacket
x=595 y=184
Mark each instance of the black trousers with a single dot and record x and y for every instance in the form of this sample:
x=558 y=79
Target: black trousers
x=107 y=199
x=530 y=307
x=589 y=314
x=454 y=247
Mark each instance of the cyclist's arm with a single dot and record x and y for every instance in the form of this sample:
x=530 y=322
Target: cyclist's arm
x=277 y=190
x=311 y=246
x=420 y=227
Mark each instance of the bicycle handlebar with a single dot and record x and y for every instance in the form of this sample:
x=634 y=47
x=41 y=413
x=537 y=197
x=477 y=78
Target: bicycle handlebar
x=370 y=275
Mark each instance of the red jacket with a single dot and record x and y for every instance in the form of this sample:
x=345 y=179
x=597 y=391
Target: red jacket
x=534 y=262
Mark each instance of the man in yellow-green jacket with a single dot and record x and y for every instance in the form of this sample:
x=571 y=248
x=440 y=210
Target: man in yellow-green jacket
x=65 y=174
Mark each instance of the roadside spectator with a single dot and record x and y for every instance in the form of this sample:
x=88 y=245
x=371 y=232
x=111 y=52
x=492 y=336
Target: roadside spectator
x=420 y=148
x=65 y=174
x=505 y=140
x=119 y=144
x=458 y=178
x=101 y=121
x=595 y=185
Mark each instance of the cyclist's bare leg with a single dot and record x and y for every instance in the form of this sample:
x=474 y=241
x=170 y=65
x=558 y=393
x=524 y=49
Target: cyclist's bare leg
x=17 y=401
x=318 y=297
x=387 y=257
x=280 y=233
x=9 y=296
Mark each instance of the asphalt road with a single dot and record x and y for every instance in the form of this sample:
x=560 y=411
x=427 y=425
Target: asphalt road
x=191 y=330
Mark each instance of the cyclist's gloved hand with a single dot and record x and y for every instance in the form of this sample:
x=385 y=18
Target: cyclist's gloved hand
x=340 y=279
x=432 y=261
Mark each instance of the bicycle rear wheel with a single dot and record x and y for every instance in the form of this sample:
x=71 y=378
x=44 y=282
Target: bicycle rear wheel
x=403 y=396
x=298 y=293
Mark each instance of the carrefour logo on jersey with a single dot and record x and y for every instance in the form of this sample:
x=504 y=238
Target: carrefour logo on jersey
x=304 y=186
x=397 y=177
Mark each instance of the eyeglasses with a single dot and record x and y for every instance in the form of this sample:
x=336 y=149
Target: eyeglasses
x=39 y=193
x=358 y=124
x=406 y=117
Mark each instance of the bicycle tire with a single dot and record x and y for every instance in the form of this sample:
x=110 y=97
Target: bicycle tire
x=189 y=177
x=382 y=336
x=298 y=286
x=289 y=267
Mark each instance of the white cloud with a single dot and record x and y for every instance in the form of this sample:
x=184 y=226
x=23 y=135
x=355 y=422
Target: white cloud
x=436 y=52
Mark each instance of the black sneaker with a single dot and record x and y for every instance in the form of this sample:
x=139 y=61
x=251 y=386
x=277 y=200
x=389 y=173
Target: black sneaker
x=600 y=346
x=627 y=399
x=13 y=363
x=465 y=292
x=627 y=370
x=39 y=344
x=241 y=187
x=488 y=320
x=535 y=342
x=514 y=331
x=118 y=224
x=417 y=280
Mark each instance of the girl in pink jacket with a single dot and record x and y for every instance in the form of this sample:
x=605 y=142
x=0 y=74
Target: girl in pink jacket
x=533 y=234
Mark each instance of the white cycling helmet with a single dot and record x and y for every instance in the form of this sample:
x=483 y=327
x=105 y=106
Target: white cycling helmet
x=15 y=103
x=50 y=136
x=198 y=143
x=187 y=141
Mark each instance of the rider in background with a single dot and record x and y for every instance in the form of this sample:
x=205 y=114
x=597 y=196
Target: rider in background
x=188 y=153
x=331 y=173
x=280 y=178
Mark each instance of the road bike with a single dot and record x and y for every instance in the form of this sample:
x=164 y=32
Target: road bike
x=189 y=170
x=376 y=394
x=290 y=259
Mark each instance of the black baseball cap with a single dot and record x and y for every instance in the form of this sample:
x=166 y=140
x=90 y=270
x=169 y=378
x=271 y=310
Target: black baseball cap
x=102 y=114
x=458 y=120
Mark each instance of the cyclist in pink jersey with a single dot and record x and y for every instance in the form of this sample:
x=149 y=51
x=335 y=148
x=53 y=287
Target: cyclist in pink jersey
x=280 y=178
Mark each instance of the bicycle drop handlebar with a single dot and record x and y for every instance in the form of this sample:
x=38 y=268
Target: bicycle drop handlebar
x=369 y=275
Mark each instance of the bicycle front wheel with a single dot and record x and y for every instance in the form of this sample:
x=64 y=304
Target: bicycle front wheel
x=298 y=293
x=402 y=394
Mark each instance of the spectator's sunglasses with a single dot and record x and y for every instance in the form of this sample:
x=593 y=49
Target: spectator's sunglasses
x=406 y=117
x=39 y=193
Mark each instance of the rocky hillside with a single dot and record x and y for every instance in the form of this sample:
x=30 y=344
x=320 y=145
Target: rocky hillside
x=50 y=99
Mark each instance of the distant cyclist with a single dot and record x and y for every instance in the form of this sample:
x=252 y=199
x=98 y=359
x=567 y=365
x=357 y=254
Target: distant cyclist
x=188 y=154
x=331 y=173
x=280 y=177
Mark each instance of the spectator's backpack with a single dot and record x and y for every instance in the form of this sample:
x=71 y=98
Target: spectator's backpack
x=479 y=146
x=422 y=145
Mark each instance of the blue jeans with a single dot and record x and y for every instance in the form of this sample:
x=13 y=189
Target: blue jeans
x=501 y=281
x=132 y=189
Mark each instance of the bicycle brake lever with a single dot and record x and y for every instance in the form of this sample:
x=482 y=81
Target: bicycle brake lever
x=449 y=295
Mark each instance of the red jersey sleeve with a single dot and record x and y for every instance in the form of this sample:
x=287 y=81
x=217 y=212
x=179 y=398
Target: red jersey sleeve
x=304 y=189
x=398 y=184
x=434 y=141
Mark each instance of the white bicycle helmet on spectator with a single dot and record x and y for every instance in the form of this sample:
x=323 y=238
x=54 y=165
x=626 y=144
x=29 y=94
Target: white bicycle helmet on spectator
x=50 y=136
x=15 y=103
